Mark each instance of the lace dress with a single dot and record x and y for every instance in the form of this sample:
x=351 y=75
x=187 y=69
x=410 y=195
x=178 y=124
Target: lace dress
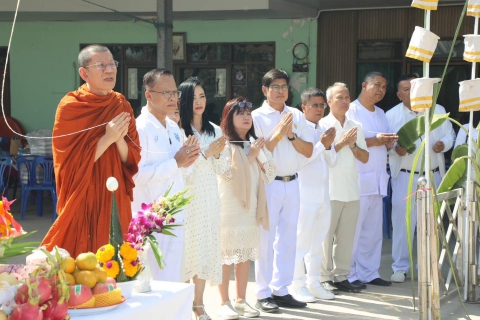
x=202 y=223
x=240 y=231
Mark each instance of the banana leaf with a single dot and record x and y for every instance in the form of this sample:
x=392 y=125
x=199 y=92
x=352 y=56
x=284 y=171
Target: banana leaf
x=415 y=128
x=457 y=173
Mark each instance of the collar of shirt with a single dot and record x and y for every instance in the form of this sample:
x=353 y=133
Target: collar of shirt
x=269 y=109
x=312 y=124
x=411 y=112
x=332 y=121
x=157 y=124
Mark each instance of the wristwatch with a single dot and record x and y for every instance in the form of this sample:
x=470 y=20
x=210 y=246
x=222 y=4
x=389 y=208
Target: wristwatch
x=294 y=137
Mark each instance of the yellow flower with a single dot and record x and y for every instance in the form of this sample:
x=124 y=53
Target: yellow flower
x=131 y=267
x=112 y=268
x=105 y=253
x=127 y=252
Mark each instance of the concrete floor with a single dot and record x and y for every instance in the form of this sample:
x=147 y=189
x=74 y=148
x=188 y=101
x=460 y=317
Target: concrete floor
x=393 y=302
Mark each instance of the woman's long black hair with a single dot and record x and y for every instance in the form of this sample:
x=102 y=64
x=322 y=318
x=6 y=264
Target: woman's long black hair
x=186 y=107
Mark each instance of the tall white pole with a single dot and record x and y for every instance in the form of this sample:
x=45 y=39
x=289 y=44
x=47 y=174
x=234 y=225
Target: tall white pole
x=469 y=191
x=426 y=73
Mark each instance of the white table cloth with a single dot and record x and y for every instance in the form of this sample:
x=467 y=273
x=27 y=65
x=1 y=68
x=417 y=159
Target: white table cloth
x=166 y=301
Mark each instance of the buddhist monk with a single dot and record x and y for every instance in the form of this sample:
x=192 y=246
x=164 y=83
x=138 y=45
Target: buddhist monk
x=84 y=161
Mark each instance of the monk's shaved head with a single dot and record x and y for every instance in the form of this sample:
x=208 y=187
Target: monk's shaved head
x=85 y=55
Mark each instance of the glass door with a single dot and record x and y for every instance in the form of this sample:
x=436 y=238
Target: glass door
x=214 y=81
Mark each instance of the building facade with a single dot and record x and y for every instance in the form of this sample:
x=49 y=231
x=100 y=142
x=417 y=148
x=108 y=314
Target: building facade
x=229 y=45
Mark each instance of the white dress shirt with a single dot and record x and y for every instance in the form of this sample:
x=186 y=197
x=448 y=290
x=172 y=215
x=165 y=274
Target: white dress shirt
x=462 y=136
x=372 y=176
x=265 y=121
x=157 y=169
x=343 y=180
x=313 y=176
x=397 y=117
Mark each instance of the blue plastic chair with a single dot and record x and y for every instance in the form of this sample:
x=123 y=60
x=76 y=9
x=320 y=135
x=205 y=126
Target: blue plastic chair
x=37 y=181
x=6 y=165
x=4 y=143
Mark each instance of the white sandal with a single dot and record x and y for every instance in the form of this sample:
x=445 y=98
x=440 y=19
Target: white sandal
x=204 y=316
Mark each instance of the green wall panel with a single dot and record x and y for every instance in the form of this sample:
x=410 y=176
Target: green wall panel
x=43 y=54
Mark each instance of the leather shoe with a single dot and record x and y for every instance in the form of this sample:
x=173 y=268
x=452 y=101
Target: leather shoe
x=346 y=286
x=287 y=301
x=329 y=286
x=266 y=305
x=360 y=284
x=380 y=282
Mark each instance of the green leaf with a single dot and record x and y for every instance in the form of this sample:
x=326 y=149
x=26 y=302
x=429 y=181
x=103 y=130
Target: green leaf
x=156 y=250
x=454 y=177
x=415 y=128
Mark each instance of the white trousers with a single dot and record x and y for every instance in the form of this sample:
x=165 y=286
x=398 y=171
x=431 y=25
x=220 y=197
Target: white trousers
x=400 y=255
x=274 y=268
x=367 y=246
x=173 y=256
x=313 y=222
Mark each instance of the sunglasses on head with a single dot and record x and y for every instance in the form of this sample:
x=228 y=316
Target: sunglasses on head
x=243 y=104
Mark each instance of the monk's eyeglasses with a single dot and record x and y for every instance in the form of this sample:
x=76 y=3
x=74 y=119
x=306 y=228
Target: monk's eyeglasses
x=104 y=65
x=168 y=94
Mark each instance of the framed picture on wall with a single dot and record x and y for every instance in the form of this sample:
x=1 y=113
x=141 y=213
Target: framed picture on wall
x=179 y=46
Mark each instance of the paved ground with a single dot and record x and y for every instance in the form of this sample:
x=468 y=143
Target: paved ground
x=393 y=302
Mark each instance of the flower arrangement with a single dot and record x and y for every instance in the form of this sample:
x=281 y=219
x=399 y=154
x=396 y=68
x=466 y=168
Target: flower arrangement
x=156 y=217
x=11 y=233
x=127 y=261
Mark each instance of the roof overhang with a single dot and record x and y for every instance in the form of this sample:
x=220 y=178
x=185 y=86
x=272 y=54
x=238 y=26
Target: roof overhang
x=122 y=10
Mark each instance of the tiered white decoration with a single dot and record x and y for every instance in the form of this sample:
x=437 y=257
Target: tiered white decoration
x=422 y=45
x=421 y=93
x=469 y=95
x=425 y=4
x=473 y=8
x=472 y=48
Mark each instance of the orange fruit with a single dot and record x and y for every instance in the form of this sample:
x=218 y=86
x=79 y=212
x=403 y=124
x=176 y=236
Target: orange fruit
x=70 y=279
x=87 y=278
x=75 y=272
x=69 y=265
x=86 y=261
x=101 y=274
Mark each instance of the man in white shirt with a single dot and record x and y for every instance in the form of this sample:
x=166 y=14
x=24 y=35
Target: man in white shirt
x=373 y=181
x=163 y=156
x=350 y=146
x=287 y=136
x=314 y=216
x=401 y=164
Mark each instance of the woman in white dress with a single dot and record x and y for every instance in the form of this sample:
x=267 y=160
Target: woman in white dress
x=244 y=206
x=203 y=259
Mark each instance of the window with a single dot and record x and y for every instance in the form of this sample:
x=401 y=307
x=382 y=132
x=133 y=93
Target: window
x=458 y=70
x=228 y=71
x=385 y=57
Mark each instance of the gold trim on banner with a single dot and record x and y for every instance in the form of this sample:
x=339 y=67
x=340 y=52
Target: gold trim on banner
x=426 y=99
x=469 y=100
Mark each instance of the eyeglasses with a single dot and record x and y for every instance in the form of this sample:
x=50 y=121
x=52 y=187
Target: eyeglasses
x=242 y=104
x=318 y=105
x=169 y=94
x=278 y=88
x=104 y=65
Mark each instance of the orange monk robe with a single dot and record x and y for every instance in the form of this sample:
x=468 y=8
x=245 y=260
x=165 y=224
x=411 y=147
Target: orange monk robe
x=84 y=203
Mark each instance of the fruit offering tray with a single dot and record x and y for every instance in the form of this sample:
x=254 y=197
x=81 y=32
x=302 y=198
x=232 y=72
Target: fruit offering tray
x=19 y=271
x=94 y=310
